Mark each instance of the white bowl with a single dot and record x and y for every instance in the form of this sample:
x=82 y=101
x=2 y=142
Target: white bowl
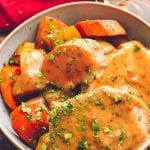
x=69 y=13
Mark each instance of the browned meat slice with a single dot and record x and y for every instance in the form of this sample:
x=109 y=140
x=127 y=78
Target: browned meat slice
x=32 y=78
x=105 y=118
x=130 y=66
x=74 y=62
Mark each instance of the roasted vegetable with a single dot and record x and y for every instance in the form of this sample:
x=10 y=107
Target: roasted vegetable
x=100 y=28
x=24 y=47
x=61 y=36
x=30 y=120
x=7 y=78
x=47 y=26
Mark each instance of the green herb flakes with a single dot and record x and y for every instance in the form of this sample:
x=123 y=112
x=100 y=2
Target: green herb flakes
x=67 y=136
x=107 y=147
x=52 y=28
x=62 y=98
x=38 y=115
x=95 y=126
x=81 y=127
x=58 y=52
x=107 y=129
x=99 y=103
x=36 y=84
x=73 y=59
x=40 y=74
x=51 y=58
x=121 y=137
x=0 y=80
x=24 y=108
x=29 y=117
x=139 y=118
x=136 y=48
x=43 y=146
x=91 y=94
x=76 y=97
x=130 y=97
x=67 y=110
x=117 y=99
x=10 y=61
x=82 y=145
x=54 y=117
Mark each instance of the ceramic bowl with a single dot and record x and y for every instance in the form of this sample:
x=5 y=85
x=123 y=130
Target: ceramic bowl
x=69 y=13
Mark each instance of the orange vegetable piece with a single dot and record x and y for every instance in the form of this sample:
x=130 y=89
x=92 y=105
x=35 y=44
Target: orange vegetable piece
x=7 y=77
x=100 y=28
x=30 y=120
x=65 y=34
x=47 y=26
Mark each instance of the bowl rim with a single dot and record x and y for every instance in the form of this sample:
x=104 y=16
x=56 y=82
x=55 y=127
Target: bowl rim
x=71 y=4
x=2 y=128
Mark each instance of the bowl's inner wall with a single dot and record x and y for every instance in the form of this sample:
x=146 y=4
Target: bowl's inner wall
x=69 y=14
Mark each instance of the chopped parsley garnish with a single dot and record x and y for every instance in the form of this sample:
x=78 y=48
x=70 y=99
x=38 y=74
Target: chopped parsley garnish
x=0 y=80
x=130 y=97
x=91 y=73
x=24 y=108
x=121 y=137
x=62 y=98
x=40 y=74
x=38 y=115
x=38 y=84
x=81 y=127
x=107 y=147
x=4 y=64
x=76 y=97
x=91 y=94
x=95 y=126
x=58 y=52
x=95 y=46
x=10 y=61
x=52 y=28
x=29 y=117
x=139 y=118
x=51 y=58
x=82 y=145
x=99 y=103
x=136 y=48
x=43 y=146
x=73 y=59
x=127 y=82
x=80 y=118
x=68 y=109
x=70 y=86
x=107 y=129
x=117 y=99
x=67 y=136
x=54 y=117
x=54 y=40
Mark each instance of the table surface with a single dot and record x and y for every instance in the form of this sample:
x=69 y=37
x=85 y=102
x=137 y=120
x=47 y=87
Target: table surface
x=5 y=144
